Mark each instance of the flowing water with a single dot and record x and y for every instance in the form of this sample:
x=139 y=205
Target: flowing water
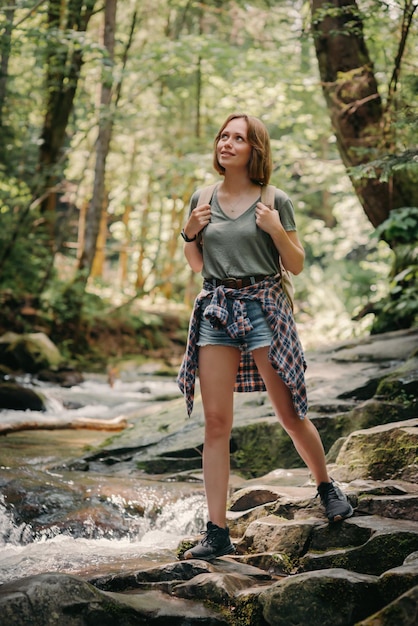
x=87 y=523
x=154 y=541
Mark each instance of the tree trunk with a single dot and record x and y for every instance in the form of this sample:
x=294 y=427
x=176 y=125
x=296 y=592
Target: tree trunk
x=94 y=211
x=125 y=246
x=358 y=117
x=168 y=269
x=97 y=268
x=4 y=60
x=145 y=217
x=64 y=67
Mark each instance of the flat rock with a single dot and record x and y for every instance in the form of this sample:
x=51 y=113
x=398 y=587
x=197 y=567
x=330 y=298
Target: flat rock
x=390 y=542
x=218 y=587
x=273 y=534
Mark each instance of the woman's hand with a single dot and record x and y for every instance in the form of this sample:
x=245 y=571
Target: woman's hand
x=267 y=219
x=199 y=218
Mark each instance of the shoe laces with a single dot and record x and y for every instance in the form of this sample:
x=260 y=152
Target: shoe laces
x=210 y=535
x=332 y=494
x=328 y=493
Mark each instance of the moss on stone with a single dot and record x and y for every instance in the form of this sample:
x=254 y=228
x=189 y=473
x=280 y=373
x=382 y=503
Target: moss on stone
x=393 y=453
x=286 y=563
x=184 y=545
x=248 y=612
x=400 y=386
x=258 y=448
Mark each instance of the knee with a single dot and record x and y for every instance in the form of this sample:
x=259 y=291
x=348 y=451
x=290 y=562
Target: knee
x=217 y=426
x=292 y=424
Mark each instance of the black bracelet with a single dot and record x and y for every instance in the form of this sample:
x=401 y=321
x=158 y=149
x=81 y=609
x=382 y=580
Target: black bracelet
x=186 y=238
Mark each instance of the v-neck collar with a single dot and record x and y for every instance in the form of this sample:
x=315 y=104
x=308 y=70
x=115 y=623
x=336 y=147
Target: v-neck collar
x=228 y=217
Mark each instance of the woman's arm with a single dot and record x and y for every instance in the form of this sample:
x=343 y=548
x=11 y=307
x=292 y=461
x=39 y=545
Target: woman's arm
x=287 y=243
x=291 y=250
x=198 y=219
x=194 y=256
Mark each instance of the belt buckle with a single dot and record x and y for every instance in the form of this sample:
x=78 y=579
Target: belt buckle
x=232 y=283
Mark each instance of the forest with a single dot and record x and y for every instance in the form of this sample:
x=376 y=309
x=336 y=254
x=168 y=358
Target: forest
x=108 y=110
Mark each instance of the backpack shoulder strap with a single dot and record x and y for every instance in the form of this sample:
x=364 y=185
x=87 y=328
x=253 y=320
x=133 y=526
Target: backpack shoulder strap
x=267 y=198
x=206 y=194
x=267 y=195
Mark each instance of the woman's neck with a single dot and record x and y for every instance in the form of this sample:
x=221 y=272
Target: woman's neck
x=236 y=195
x=234 y=185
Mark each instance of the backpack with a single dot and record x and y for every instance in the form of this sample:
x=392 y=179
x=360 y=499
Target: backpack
x=267 y=198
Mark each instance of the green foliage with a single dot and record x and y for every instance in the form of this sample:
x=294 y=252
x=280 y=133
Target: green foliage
x=186 y=69
x=401 y=227
x=345 y=268
x=88 y=328
x=399 y=309
x=24 y=254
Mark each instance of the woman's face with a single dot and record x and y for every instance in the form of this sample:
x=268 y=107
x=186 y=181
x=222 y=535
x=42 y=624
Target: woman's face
x=233 y=149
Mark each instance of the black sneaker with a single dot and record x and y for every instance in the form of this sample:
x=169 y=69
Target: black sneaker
x=215 y=542
x=337 y=506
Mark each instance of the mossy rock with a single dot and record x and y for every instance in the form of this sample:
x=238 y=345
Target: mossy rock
x=248 y=611
x=401 y=386
x=258 y=448
x=380 y=453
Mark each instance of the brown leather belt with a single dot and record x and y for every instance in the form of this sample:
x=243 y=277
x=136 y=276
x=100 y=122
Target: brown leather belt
x=236 y=283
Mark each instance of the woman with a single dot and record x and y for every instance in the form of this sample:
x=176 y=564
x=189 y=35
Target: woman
x=242 y=335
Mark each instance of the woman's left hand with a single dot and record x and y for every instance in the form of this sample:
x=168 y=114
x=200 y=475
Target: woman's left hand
x=267 y=219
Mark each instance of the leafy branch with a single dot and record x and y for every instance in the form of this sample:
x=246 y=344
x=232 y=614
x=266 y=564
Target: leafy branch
x=383 y=168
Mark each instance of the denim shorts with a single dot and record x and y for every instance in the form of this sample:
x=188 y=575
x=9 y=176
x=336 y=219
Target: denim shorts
x=259 y=337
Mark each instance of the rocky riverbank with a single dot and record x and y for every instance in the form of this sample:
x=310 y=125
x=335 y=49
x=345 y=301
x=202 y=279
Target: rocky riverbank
x=290 y=566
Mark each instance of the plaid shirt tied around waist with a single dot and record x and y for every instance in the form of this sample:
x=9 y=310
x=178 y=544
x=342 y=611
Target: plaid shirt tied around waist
x=227 y=310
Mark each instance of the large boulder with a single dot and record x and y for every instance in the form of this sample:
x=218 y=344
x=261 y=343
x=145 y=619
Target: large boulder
x=386 y=451
x=51 y=599
x=28 y=353
x=397 y=581
x=18 y=398
x=389 y=542
x=332 y=597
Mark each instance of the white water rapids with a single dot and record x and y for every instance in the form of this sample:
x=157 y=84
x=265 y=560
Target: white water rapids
x=155 y=542
x=170 y=513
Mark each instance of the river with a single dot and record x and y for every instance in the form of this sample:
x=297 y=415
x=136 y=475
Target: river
x=53 y=518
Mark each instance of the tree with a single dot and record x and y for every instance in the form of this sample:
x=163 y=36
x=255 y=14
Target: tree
x=130 y=164
x=362 y=122
x=66 y=21
x=9 y=12
x=96 y=211
x=366 y=132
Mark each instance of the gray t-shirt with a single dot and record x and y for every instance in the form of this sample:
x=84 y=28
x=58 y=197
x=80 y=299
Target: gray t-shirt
x=237 y=247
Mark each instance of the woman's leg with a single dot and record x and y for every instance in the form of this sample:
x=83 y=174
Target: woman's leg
x=218 y=367
x=303 y=433
x=305 y=438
